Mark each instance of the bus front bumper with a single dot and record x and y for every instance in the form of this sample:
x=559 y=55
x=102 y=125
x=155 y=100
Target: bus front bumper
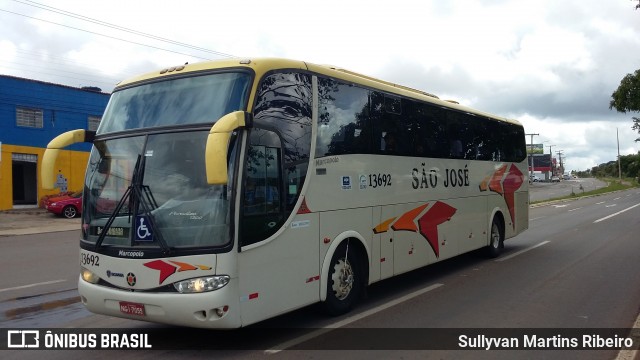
x=214 y=309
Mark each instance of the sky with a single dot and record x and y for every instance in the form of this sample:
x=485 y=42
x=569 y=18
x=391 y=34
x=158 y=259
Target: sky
x=550 y=64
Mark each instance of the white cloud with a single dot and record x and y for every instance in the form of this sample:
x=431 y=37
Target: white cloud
x=551 y=64
x=7 y=56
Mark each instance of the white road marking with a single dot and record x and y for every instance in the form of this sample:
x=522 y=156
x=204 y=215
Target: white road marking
x=601 y=202
x=618 y=198
x=559 y=206
x=612 y=205
x=521 y=251
x=614 y=214
x=349 y=320
x=538 y=218
x=32 y=285
x=575 y=209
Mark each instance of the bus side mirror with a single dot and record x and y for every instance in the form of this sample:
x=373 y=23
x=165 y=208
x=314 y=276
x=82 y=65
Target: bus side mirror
x=218 y=145
x=47 y=170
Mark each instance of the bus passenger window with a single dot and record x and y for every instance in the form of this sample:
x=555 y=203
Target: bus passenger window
x=389 y=143
x=342 y=119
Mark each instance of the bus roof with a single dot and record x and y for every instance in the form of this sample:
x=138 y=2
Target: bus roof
x=260 y=66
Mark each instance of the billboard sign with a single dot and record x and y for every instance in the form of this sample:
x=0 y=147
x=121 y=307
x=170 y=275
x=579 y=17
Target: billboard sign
x=541 y=162
x=535 y=149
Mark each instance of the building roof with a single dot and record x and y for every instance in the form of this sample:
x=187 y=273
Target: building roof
x=93 y=89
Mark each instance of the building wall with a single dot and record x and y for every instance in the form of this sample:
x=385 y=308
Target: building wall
x=70 y=164
x=63 y=108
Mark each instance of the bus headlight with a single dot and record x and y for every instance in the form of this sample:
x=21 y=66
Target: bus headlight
x=202 y=284
x=89 y=276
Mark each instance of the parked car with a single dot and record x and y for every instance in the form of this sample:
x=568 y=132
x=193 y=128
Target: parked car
x=534 y=178
x=566 y=177
x=68 y=206
x=555 y=178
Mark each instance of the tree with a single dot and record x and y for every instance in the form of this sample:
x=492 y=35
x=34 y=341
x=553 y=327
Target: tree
x=626 y=98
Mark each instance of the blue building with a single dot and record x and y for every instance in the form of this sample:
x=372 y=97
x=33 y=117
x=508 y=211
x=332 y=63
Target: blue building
x=31 y=114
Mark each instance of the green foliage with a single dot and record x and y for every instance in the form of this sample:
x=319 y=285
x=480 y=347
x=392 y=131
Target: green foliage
x=627 y=96
x=629 y=164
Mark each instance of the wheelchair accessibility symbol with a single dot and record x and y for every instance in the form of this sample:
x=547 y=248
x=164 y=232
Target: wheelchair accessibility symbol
x=143 y=229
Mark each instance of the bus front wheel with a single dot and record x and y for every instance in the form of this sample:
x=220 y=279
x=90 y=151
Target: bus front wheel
x=344 y=284
x=496 y=238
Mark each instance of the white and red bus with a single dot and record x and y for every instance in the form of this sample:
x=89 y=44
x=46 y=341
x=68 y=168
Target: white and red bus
x=223 y=193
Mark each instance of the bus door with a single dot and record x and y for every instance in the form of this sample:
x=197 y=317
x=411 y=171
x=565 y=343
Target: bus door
x=279 y=267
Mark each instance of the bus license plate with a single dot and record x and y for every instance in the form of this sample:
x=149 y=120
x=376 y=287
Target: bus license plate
x=130 y=308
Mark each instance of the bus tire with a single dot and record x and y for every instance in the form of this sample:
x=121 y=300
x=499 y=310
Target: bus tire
x=344 y=283
x=496 y=238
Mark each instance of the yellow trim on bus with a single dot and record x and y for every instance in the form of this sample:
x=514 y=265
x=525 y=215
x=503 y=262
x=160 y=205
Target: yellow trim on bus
x=50 y=156
x=261 y=66
x=218 y=144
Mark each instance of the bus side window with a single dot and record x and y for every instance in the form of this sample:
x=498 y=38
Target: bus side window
x=342 y=118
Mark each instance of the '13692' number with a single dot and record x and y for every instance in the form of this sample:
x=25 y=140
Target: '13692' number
x=89 y=259
x=379 y=180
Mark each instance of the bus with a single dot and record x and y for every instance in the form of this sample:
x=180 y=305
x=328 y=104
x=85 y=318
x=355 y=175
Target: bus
x=223 y=193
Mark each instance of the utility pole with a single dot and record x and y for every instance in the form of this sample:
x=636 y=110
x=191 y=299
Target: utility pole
x=619 y=166
x=560 y=159
x=531 y=155
x=551 y=160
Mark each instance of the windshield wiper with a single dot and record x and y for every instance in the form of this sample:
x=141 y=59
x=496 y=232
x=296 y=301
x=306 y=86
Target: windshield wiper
x=137 y=197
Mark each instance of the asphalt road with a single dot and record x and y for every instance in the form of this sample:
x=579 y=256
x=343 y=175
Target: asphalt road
x=576 y=267
x=539 y=191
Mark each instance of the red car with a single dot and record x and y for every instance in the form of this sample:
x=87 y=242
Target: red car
x=68 y=206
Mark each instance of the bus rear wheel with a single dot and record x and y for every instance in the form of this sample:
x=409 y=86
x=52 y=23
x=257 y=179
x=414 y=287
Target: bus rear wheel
x=496 y=239
x=344 y=284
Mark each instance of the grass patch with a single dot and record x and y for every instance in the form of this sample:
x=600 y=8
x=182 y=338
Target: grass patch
x=613 y=185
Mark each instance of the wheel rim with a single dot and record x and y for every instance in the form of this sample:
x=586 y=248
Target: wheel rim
x=342 y=279
x=495 y=236
x=69 y=212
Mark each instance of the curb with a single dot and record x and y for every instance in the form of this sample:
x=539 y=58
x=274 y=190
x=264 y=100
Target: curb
x=36 y=230
x=15 y=313
x=22 y=306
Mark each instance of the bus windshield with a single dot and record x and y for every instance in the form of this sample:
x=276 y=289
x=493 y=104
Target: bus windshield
x=177 y=101
x=151 y=191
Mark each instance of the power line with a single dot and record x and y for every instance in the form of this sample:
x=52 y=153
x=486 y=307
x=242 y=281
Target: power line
x=36 y=59
x=56 y=72
x=120 y=28
x=103 y=35
x=109 y=83
x=39 y=56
